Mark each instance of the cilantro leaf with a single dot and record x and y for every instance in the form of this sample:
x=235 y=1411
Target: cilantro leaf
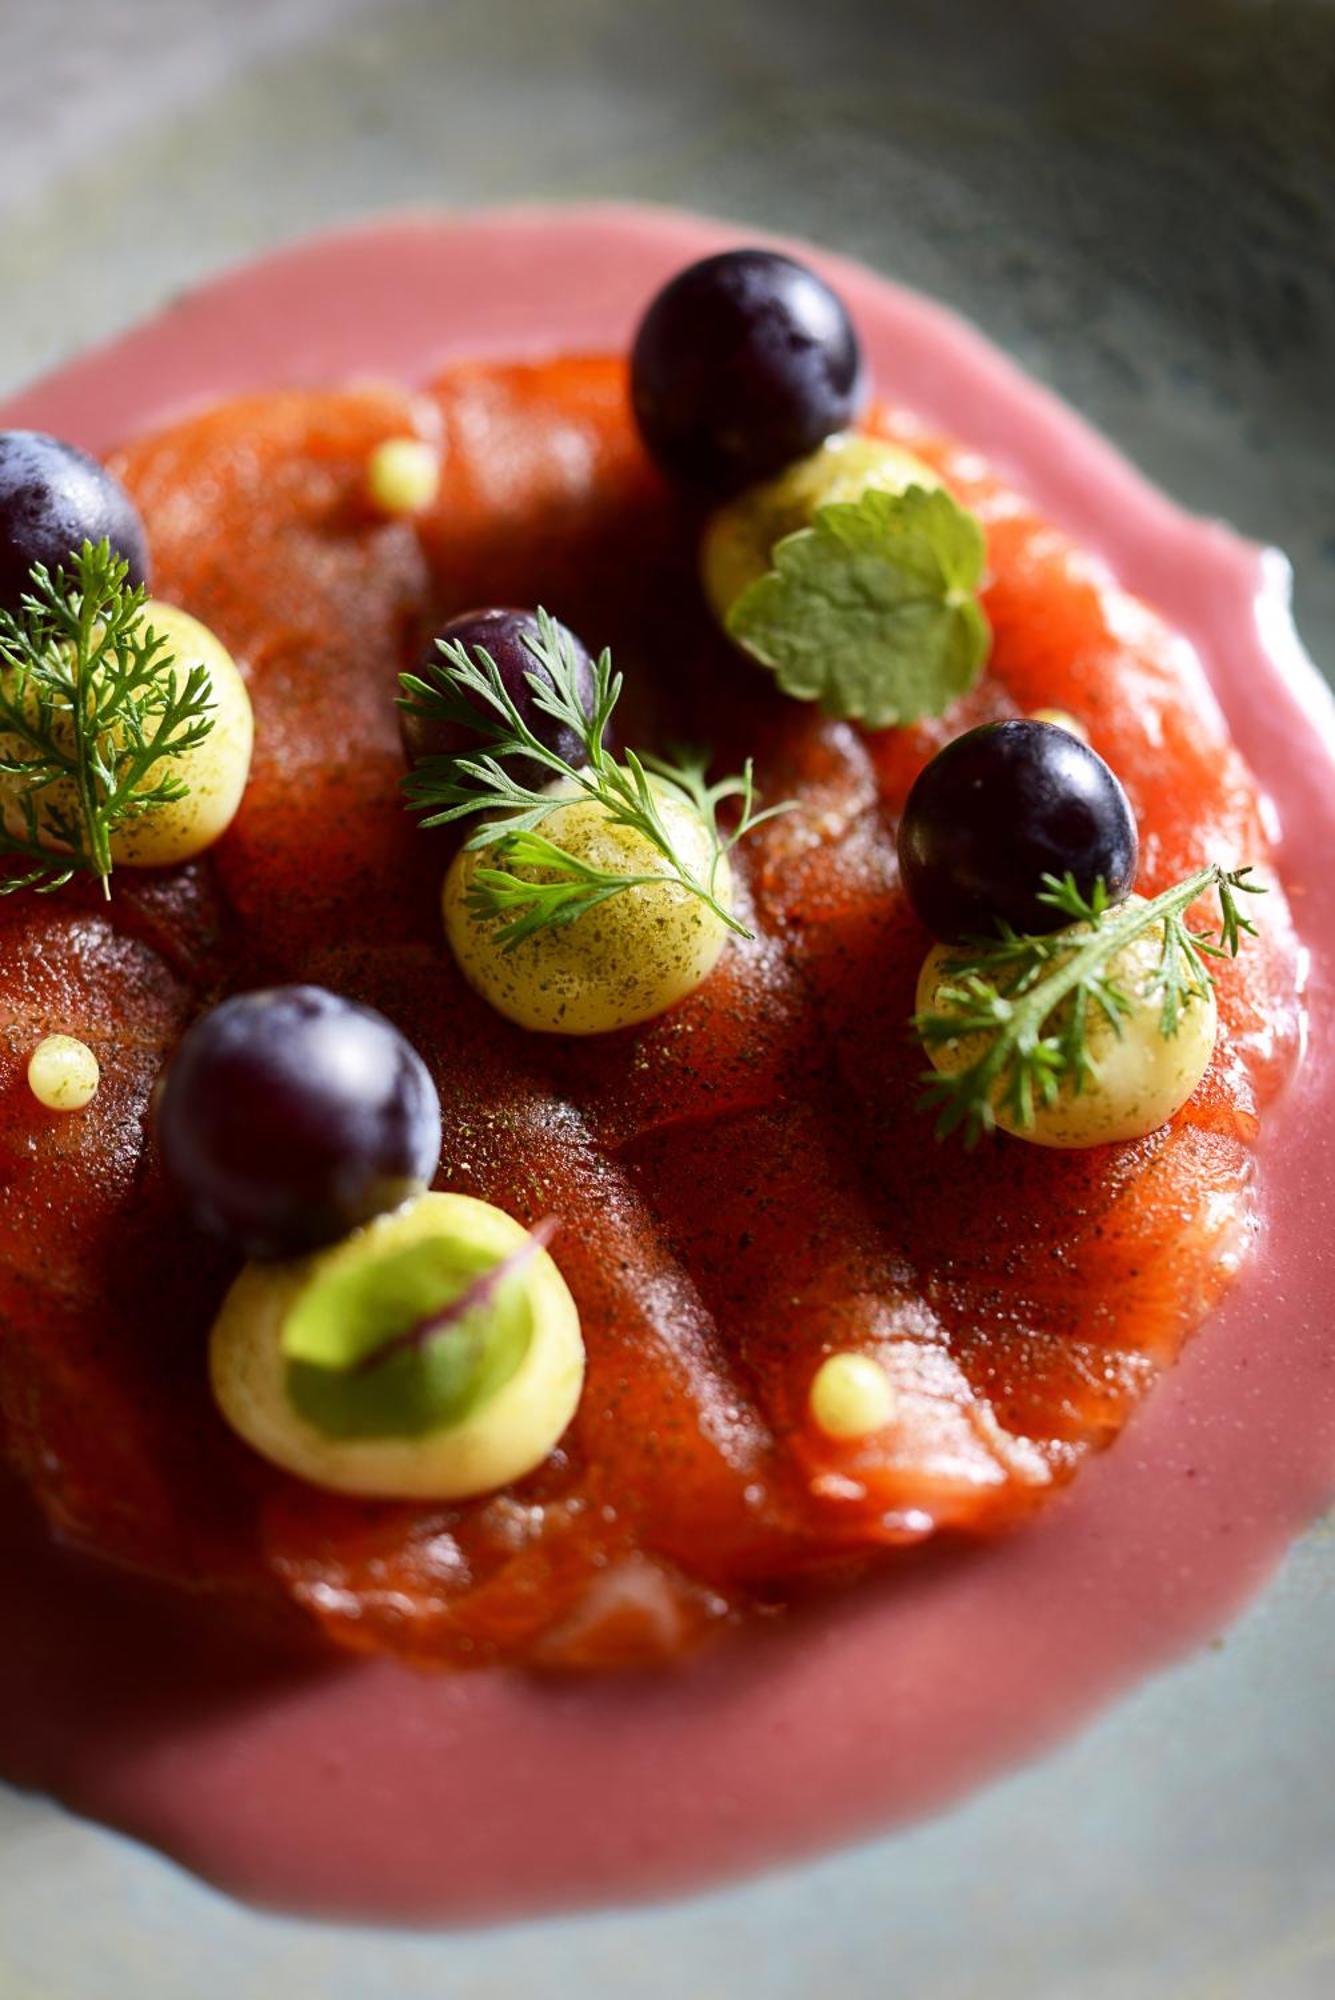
x=872 y=611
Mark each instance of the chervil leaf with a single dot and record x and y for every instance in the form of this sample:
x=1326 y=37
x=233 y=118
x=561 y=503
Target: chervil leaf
x=460 y=687
x=872 y=611
x=93 y=717
x=1031 y=998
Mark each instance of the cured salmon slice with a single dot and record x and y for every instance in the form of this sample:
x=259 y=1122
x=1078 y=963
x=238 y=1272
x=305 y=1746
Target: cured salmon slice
x=744 y=1184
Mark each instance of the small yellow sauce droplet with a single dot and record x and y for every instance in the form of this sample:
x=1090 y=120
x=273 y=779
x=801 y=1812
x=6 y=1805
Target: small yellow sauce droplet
x=1061 y=719
x=403 y=475
x=63 y=1073
x=851 y=1396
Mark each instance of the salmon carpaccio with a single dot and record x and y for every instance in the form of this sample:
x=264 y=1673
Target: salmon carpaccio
x=744 y=1184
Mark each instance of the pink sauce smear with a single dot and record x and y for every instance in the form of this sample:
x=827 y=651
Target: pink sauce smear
x=368 y=1790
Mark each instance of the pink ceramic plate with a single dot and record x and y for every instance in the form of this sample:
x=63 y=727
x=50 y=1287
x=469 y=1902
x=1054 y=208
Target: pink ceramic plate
x=373 y=1789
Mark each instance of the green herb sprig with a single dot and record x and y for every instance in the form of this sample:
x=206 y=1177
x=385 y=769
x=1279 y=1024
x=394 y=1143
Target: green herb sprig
x=92 y=717
x=872 y=610
x=1033 y=997
x=468 y=688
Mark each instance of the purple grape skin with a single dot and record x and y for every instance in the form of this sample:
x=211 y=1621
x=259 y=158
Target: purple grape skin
x=999 y=808
x=500 y=632
x=53 y=498
x=287 y=1118
x=743 y=363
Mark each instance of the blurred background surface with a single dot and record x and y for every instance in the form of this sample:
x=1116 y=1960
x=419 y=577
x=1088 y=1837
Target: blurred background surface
x=1138 y=200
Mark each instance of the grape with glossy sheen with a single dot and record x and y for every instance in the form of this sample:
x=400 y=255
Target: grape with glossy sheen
x=289 y=1117
x=998 y=809
x=54 y=498
x=743 y=363
x=502 y=633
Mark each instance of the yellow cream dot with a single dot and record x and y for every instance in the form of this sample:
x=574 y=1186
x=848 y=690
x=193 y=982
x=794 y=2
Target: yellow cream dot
x=63 y=1073
x=629 y=958
x=851 y=1396
x=403 y=475
x=1061 y=719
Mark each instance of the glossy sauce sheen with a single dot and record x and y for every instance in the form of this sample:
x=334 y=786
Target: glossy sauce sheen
x=1024 y=1317
x=744 y=1184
